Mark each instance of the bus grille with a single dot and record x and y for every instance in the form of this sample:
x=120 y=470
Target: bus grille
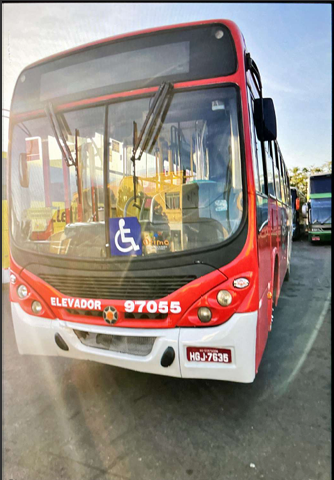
x=126 y=288
x=140 y=346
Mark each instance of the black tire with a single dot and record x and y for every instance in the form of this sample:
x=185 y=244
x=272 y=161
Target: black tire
x=287 y=274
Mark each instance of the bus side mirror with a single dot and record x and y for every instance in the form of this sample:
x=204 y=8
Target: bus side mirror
x=265 y=119
x=23 y=171
x=304 y=210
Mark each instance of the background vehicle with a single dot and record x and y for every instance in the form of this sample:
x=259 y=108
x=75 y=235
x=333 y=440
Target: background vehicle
x=299 y=221
x=150 y=204
x=320 y=207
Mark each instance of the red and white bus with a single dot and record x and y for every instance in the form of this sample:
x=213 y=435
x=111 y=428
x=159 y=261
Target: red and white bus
x=150 y=209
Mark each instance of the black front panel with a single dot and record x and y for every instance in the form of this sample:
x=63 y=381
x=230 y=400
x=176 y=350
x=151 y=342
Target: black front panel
x=123 y=287
x=192 y=264
x=143 y=61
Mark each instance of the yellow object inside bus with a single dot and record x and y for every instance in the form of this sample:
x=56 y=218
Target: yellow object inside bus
x=164 y=193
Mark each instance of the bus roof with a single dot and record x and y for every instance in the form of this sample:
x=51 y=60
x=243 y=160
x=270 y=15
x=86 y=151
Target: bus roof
x=30 y=96
x=320 y=174
x=229 y=23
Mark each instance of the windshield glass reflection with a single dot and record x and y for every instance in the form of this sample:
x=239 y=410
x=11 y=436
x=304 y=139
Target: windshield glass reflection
x=188 y=181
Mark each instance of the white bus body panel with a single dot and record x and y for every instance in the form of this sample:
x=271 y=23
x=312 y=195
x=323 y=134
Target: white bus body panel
x=36 y=336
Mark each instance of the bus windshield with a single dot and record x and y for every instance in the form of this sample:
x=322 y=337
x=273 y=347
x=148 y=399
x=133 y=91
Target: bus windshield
x=321 y=184
x=188 y=182
x=321 y=210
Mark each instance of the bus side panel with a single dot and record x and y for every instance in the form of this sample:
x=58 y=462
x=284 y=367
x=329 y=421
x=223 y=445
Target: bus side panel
x=275 y=247
x=279 y=246
x=261 y=232
x=264 y=256
x=283 y=248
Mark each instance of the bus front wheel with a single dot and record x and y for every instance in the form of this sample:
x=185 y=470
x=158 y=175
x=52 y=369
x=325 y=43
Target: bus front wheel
x=287 y=273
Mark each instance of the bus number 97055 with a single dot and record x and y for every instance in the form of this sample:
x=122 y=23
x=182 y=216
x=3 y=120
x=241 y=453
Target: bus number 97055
x=152 y=306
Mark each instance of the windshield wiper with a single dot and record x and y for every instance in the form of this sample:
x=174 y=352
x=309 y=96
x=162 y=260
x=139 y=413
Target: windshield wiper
x=326 y=219
x=65 y=150
x=60 y=137
x=142 y=141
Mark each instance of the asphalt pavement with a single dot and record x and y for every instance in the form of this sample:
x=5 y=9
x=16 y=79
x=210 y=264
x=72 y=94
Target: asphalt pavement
x=69 y=419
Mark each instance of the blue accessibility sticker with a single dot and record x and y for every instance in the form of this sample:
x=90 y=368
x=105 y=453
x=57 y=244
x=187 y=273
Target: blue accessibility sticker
x=125 y=236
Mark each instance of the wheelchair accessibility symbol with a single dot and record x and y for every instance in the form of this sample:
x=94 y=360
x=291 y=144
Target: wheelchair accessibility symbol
x=125 y=236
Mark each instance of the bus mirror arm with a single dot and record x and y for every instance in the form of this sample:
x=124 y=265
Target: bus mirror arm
x=264 y=110
x=252 y=67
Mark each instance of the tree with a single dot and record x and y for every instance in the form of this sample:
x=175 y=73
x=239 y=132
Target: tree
x=327 y=167
x=298 y=178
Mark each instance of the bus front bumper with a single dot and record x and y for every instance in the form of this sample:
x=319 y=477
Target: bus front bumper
x=323 y=236
x=36 y=336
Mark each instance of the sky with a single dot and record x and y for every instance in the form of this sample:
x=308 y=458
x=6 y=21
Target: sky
x=290 y=42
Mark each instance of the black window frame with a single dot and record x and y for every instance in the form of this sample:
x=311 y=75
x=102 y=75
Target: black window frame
x=205 y=252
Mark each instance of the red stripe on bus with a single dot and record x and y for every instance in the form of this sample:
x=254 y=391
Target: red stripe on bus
x=235 y=78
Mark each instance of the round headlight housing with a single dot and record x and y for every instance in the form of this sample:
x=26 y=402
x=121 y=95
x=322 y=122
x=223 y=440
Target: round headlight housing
x=224 y=298
x=36 y=307
x=204 y=314
x=22 y=291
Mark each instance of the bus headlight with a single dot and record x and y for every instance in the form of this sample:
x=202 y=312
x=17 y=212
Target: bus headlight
x=224 y=298
x=22 y=291
x=36 y=307
x=204 y=314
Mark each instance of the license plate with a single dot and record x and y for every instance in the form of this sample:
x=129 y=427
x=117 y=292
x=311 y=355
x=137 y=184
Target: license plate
x=205 y=354
x=315 y=238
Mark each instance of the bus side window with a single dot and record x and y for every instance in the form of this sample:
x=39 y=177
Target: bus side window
x=278 y=179
x=288 y=189
x=254 y=150
x=261 y=168
x=279 y=163
x=258 y=168
x=283 y=189
x=270 y=171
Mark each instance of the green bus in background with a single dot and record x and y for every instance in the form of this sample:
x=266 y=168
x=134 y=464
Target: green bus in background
x=320 y=207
